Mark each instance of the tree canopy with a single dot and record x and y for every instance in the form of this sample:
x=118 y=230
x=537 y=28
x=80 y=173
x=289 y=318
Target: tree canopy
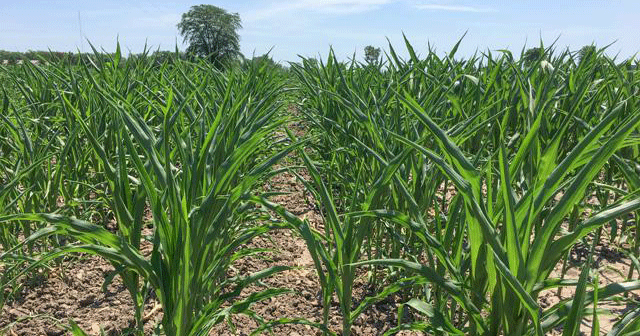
x=587 y=52
x=211 y=32
x=533 y=55
x=371 y=54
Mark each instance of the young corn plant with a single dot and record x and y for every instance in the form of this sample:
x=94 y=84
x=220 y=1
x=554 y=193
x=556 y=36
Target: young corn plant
x=537 y=133
x=514 y=243
x=188 y=148
x=337 y=248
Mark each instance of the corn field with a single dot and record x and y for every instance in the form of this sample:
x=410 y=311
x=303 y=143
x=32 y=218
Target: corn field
x=461 y=186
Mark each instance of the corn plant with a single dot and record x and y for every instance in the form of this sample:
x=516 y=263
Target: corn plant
x=510 y=136
x=186 y=142
x=522 y=254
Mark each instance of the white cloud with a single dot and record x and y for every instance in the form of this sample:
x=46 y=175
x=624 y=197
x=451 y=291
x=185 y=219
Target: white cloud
x=344 y=6
x=454 y=8
x=317 y=6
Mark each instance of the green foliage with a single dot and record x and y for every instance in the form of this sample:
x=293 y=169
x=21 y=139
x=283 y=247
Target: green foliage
x=587 y=53
x=533 y=55
x=264 y=61
x=47 y=57
x=160 y=57
x=469 y=171
x=457 y=186
x=211 y=33
x=371 y=55
x=138 y=137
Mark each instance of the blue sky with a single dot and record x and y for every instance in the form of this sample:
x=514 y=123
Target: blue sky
x=310 y=27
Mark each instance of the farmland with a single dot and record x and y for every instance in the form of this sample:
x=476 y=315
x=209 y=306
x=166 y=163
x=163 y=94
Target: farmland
x=491 y=195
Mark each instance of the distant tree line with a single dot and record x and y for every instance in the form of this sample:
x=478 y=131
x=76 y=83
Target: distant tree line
x=12 y=57
x=16 y=57
x=158 y=57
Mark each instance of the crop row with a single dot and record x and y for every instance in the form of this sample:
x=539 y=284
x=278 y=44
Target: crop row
x=459 y=184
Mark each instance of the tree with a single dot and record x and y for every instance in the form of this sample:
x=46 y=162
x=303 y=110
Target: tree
x=211 y=32
x=371 y=54
x=587 y=53
x=264 y=60
x=533 y=55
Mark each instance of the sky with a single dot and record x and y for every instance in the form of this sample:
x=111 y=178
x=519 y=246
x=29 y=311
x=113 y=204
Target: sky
x=310 y=28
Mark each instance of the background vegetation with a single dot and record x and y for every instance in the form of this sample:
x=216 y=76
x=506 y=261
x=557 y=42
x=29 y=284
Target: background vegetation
x=460 y=185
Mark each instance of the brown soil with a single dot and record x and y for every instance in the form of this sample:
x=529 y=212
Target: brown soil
x=609 y=266
x=51 y=299
x=46 y=306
